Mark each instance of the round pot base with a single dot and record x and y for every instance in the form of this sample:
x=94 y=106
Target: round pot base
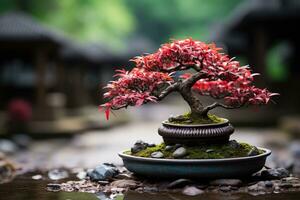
x=195 y=168
x=195 y=134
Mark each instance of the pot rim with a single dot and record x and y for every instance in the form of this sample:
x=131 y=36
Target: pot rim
x=166 y=122
x=168 y=160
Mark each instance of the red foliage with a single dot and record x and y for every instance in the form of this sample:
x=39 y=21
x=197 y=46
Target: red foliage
x=224 y=78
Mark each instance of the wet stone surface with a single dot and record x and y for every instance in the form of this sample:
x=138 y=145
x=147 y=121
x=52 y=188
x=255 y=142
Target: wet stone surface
x=122 y=181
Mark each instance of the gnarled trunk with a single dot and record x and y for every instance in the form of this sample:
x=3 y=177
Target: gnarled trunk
x=197 y=108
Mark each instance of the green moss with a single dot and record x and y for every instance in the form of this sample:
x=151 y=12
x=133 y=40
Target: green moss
x=189 y=119
x=205 y=151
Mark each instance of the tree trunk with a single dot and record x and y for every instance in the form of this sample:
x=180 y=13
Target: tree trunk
x=197 y=108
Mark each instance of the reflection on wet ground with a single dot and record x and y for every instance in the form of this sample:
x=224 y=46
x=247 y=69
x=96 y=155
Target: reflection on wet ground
x=24 y=187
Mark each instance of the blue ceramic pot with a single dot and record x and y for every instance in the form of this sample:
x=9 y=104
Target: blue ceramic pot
x=195 y=168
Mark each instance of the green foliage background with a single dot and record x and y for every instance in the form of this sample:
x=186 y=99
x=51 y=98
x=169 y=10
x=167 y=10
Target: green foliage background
x=113 y=21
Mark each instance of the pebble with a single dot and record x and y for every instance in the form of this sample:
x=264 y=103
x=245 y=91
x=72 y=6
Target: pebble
x=180 y=152
x=234 y=144
x=157 y=154
x=225 y=188
x=209 y=150
x=7 y=146
x=169 y=148
x=179 y=183
x=124 y=184
x=269 y=184
x=103 y=172
x=54 y=187
x=277 y=173
x=22 y=140
x=285 y=185
x=253 y=152
x=57 y=174
x=192 y=191
x=226 y=182
x=124 y=176
x=139 y=146
x=151 y=145
x=37 y=177
x=81 y=175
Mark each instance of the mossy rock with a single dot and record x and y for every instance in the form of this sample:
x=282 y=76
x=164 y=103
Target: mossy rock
x=205 y=151
x=191 y=120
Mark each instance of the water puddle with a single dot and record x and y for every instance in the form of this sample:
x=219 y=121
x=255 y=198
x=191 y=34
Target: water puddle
x=24 y=187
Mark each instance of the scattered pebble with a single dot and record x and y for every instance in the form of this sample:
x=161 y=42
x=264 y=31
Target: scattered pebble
x=102 y=172
x=179 y=183
x=209 y=150
x=139 y=146
x=180 y=152
x=57 y=174
x=269 y=184
x=253 y=152
x=53 y=187
x=234 y=144
x=157 y=154
x=7 y=146
x=37 y=177
x=192 y=191
x=226 y=182
x=277 y=173
x=225 y=188
x=169 y=148
x=131 y=184
x=81 y=175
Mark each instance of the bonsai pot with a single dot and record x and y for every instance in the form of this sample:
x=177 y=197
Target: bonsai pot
x=190 y=134
x=195 y=168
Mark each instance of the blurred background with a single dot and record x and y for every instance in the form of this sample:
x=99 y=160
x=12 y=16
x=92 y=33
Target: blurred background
x=56 y=56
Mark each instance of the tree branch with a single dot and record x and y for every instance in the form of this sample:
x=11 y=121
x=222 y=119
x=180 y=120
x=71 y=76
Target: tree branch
x=188 y=83
x=217 y=104
x=168 y=90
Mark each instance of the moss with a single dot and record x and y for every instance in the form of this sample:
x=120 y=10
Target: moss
x=190 y=119
x=206 y=151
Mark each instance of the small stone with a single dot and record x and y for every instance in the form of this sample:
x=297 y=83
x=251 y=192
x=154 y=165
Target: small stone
x=296 y=185
x=226 y=182
x=124 y=176
x=269 y=184
x=176 y=146
x=103 y=172
x=253 y=187
x=253 y=152
x=131 y=184
x=157 y=154
x=57 y=174
x=151 y=145
x=37 y=177
x=169 y=148
x=277 y=173
x=286 y=185
x=192 y=191
x=180 y=152
x=7 y=146
x=234 y=144
x=139 y=146
x=81 y=175
x=179 y=183
x=209 y=150
x=225 y=188
x=22 y=140
x=103 y=182
x=150 y=189
x=53 y=187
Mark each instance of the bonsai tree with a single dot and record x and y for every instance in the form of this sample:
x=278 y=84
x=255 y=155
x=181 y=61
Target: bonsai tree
x=191 y=68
